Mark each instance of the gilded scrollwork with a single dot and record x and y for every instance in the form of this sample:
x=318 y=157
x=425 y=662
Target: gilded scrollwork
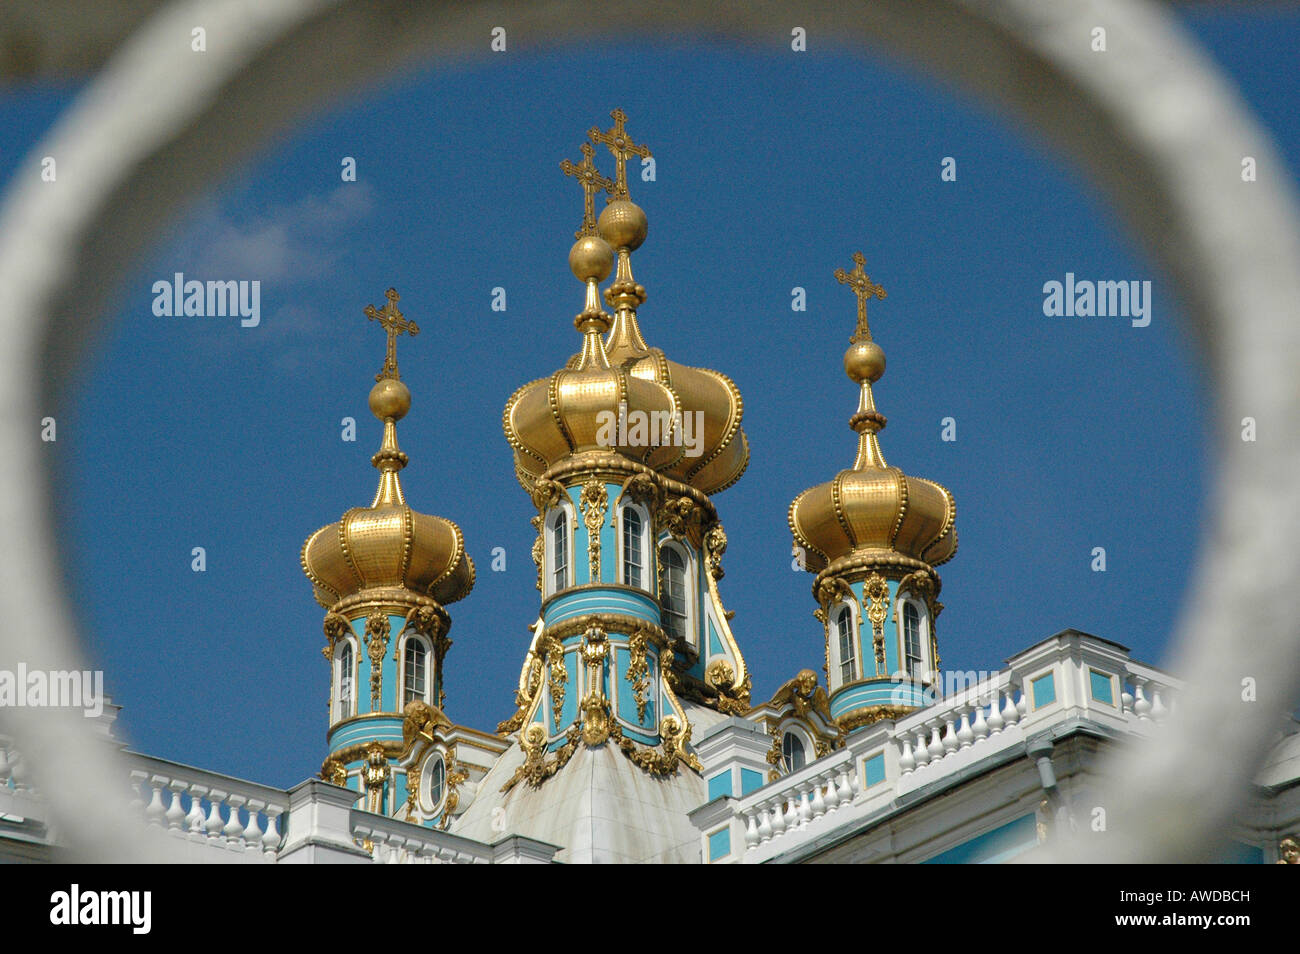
x=729 y=698
x=593 y=501
x=803 y=694
x=875 y=593
x=336 y=627
x=546 y=494
x=683 y=518
x=377 y=632
x=553 y=650
x=536 y=768
x=539 y=548
x=638 y=672
x=674 y=737
x=715 y=545
x=334 y=772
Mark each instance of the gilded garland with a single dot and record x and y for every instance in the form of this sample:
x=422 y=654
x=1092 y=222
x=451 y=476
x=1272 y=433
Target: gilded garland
x=638 y=672
x=876 y=594
x=593 y=501
x=377 y=630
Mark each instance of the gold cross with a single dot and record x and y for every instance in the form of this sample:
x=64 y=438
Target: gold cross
x=622 y=147
x=392 y=321
x=864 y=288
x=592 y=182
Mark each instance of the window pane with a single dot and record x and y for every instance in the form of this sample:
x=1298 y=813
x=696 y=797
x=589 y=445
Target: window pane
x=345 y=682
x=912 y=638
x=792 y=752
x=560 y=552
x=844 y=632
x=631 y=547
x=416 y=671
x=674 y=594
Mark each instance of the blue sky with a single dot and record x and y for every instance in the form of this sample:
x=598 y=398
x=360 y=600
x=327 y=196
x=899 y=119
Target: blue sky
x=772 y=169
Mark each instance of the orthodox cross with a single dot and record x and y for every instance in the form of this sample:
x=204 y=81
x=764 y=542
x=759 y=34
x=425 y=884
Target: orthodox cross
x=592 y=182
x=392 y=321
x=864 y=288
x=616 y=138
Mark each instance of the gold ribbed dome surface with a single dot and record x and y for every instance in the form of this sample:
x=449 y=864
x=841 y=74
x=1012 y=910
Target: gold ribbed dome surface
x=872 y=512
x=388 y=544
x=553 y=417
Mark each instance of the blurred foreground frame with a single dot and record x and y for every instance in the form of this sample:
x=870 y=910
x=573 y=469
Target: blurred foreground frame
x=1159 y=128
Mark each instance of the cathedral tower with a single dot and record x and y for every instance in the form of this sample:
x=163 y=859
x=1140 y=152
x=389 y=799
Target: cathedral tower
x=619 y=451
x=385 y=574
x=873 y=536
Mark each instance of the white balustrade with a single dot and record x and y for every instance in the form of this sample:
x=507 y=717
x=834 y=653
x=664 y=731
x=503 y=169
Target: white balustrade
x=232 y=821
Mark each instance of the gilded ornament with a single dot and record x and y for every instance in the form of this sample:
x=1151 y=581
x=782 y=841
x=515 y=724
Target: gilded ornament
x=622 y=147
x=539 y=548
x=377 y=630
x=638 y=672
x=870 y=715
x=553 y=649
x=375 y=772
x=876 y=593
x=536 y=768
x=592 y=182
x=593 y=500
x=715 y=545
x=334 y=772
x=393 y=322
x=803 y=694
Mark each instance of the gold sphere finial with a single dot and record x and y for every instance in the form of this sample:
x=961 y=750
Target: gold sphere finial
x=390 y=399
x=623 y=224
x=864 y=361
x=591 y=259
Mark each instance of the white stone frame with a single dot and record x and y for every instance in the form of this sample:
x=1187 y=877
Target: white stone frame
x=649 y=558
x=792 y=727
x=692 y=590
x=429 y=669
x=564 y=507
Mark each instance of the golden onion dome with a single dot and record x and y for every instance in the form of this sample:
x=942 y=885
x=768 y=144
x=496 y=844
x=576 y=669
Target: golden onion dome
x=589 y=405
x=872 y=513
x=721 y=452
x=710 y=460
x=388 y=544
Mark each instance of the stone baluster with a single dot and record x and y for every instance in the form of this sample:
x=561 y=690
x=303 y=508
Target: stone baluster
x=965 y=734
x=1010 y=711
x=214 y=824
x=155 y=813
x=1022 y=705
x=818 y=805
x=804 y=807
x=995 y=722
x=194 y=820
x=791 y=813
x=233 y=831
x=936 y=748
x=950 y=732
x=778 y=816
x=1141 y=707
x=175 y=812
x=765 y=832
x=253 y=832
x=1158 y=710
x=906 y=761
x=980 y=727
x=848 y=784
x=752 y=836
x=271 y=840
x=922 y=751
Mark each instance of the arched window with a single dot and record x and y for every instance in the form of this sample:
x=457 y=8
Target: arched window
x=344 y=681
x=433 y=784
x=674 y=597
x=437 y=780
x=793 y=756
x=912 y=640
x=633 y=571
x=559 y=550
x=415 y=671
x=846 y=643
